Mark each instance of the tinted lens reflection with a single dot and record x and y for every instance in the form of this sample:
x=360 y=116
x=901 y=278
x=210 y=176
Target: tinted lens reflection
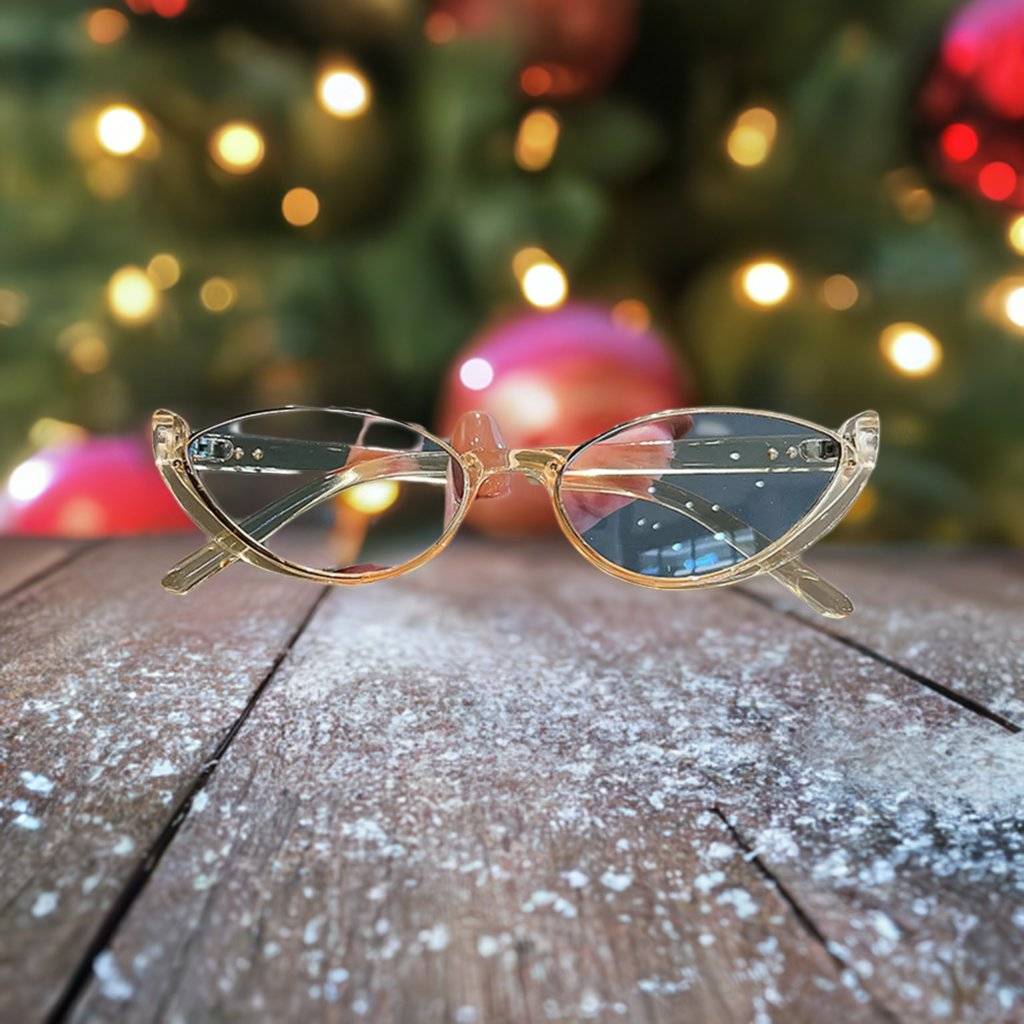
x=694 y=494
x=328 y=489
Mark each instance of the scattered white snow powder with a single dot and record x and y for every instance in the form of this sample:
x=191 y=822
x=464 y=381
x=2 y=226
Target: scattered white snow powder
x=617 y=881
x=46 y=903
x=113 y=983
x=161 y=768
x=37 y=783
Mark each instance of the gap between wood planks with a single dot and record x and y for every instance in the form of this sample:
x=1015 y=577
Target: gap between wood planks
x=60 y=562
x=950 y=694
x=803 y=918
x=82 y=974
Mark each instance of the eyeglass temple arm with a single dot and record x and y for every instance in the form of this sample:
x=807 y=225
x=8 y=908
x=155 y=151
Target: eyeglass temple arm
x=796 y=576
x=200 y=565
x=431 y=467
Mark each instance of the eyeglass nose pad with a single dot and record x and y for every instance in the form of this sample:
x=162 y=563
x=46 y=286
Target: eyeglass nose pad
x=478 y=432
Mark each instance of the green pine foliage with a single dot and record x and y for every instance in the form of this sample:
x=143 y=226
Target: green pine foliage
x=423 y=207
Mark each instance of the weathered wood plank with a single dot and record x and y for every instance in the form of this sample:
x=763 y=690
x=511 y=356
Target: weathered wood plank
x=451 y=808
x=24 y=558
x=955 y=617
x=112 y=696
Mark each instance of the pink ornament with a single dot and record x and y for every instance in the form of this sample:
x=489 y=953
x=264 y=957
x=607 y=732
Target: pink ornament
x=557 y=378
x=97 y=487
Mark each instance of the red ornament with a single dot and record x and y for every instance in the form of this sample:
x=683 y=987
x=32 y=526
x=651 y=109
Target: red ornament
x=557 y=378
x=971 y=103
x=570 y=47
x=93 y=488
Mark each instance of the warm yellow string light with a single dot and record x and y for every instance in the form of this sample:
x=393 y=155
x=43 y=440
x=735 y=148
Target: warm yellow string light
x=132 y=296
x=343 y=91
x=120 y=129
x=751 y=137
x=300 y=207
x=237 y=147
x=911 y=349
x=765 y=282
x=218 y=294
x=164 y=270
x=537 y=139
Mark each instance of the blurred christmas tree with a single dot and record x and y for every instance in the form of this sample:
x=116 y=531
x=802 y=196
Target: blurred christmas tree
x=226 y=205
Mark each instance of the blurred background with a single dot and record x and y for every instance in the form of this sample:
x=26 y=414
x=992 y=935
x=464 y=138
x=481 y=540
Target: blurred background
x=568 y=212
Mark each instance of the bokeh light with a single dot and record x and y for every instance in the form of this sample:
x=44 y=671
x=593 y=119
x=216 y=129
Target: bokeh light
x=537 y=139
x=344 y=92
x=766 y=282
x=997 y=180
x=29 y=479
x=752 y=136
x=169 y=8
x=13 y=307
x=373 y=497
x=631 y=314
x=1013 y=306
x=526 y=258
x=476 y=373
x=120 y=129
x=164 y=270
x=218 y=294
x=911 y=349
x=237 y=147
x=300 y=207
x=440 y=28
x=132 y=296
x=535 y=80
x=1015 y=234
x=105 y=25
x=48 y=431
x=545 y=285
x=839 y=291
x=959 y=142
x=84 y=346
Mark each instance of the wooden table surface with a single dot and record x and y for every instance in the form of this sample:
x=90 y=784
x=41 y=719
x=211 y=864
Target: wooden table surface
x=506 y=788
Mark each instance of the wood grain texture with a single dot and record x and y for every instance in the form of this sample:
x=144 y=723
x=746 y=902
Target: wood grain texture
x=112 y=696
x=955 y=617
x=505 y=789
x=23 y=559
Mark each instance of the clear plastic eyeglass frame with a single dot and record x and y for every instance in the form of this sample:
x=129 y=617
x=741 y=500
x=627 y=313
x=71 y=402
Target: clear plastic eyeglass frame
x=485 y=461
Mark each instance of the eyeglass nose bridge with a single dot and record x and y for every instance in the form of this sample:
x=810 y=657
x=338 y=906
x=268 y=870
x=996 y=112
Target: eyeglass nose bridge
x=541 y=464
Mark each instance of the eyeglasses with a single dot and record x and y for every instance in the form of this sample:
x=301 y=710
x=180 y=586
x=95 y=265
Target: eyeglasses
x=675 y=500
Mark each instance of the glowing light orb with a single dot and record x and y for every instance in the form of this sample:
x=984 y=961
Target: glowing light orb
x=1015 y=234
x=839 y=292
x=766 y=283
x=164 y=270
x=537 y=139
x=300 y=206
x=29 y=480
x=120 y=129
x=237 y=147
x=632 y=314
x=476 y=373
x=105 y=26
x=132 y=296
x=1013 y=305
x=910 y=349
x=373 y=497
x=545 y=285
x=218 y=294
x=344 y=92
x=752 y=136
